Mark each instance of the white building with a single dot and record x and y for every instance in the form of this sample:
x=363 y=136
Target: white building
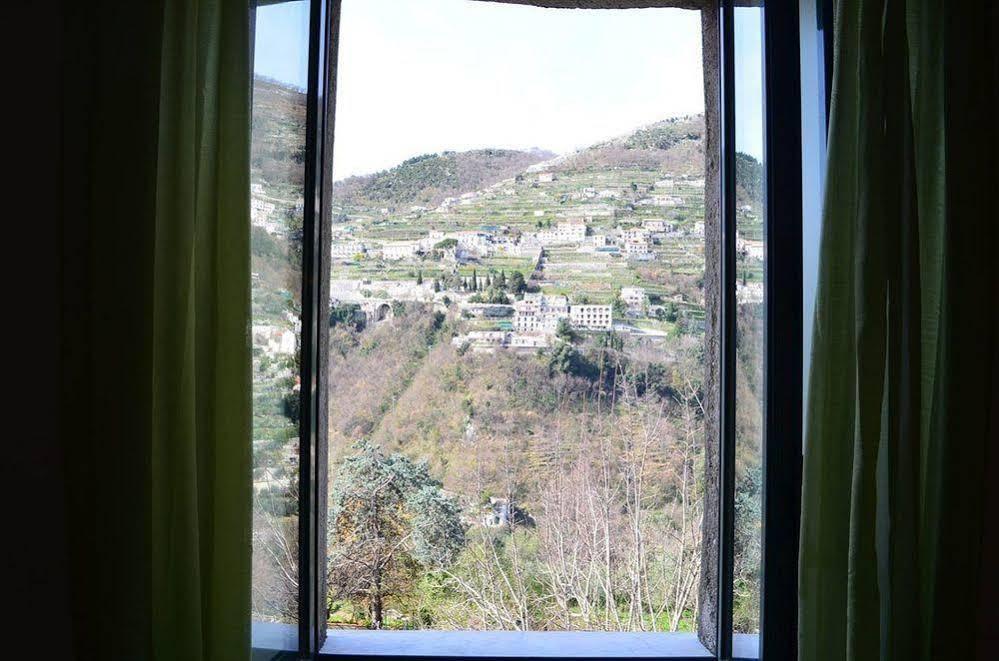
x=546 y=177
x=657 y=225
x=634 y=298
x=636 y=249
x=482 y=340
x=667 y=201
x=528 y=341
x=753 y=249
x=346 y=250
x=537 y=313
x=637 y=235
x=401 y=250
x=260 y=211
x=478 y=243
x=591 y=317
x=274 y=340
x=573 y=231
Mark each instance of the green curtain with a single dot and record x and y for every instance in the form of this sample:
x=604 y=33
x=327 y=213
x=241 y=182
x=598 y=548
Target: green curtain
x=901 y=437
x=156 y=379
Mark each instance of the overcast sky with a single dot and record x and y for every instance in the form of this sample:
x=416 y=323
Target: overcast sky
x=420 y=76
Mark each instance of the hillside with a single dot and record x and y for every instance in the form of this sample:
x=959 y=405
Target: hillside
x=428 y=179
x=596 y=434
x=672 y=145
x=277 y=152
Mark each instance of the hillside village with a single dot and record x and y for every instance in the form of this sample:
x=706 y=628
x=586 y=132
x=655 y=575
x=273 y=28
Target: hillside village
x=580 y=239
x=485 y=306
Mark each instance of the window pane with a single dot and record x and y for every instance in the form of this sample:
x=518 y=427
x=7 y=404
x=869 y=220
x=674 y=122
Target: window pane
x=517 y=335
x=277 y=176
x=750 y=347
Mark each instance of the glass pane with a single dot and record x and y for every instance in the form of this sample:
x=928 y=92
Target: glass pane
x=750 y=346
x=517 y=333
x=277 y=178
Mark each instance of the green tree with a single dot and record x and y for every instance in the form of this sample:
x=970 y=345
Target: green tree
x=389 y=520
x=619 y=307
x=517 y=283
x=564 y=331
x=437 y=285
x=502 y=279
x=419 y=277
x=475 y=280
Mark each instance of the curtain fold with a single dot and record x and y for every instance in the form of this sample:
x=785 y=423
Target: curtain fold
x=157 y=377
x=898 y=441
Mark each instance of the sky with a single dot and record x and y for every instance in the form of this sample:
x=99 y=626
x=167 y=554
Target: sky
x=423 y=76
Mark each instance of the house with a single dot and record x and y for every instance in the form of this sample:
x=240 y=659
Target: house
x=636 y=249
x=477 y=243
x=400 y=250
x=657 y=225
x=573 y=231
x=633 y=297
x=482 y=340
x=636 y=234
x=274 y=340
x=591 y=317
x=751 y=248
x=346 y=250
x=500 y=512
x=537 y=313
x=546 y=177
x=529 y=341
x=667 y=201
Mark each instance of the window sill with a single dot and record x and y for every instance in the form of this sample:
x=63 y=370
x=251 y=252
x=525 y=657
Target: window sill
x=272 y=640
x=484 y=645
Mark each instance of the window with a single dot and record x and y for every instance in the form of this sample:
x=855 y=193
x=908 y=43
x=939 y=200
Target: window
x=487 y=151
x=277 y=214
x=526 y=258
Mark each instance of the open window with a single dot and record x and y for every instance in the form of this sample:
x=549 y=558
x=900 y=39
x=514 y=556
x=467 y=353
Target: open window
x=527 y=329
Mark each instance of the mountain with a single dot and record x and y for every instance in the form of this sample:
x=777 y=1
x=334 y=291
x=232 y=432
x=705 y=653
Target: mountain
x=426 y=180
x=671 y=145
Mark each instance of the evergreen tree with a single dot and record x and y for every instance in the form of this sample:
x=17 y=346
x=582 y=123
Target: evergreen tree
x=517 y=283
x=419 y=277
x=387 y=515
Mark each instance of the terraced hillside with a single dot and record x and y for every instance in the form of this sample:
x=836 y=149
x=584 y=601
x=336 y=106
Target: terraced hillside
x=590 y=433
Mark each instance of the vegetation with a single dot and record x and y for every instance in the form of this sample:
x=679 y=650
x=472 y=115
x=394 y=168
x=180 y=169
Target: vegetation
x=388 y=520
x=554 y=489
x=428 y=179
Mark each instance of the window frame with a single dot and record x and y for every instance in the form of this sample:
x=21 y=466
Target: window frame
x=782 y=443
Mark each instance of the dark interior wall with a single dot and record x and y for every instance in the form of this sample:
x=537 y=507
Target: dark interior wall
x=35 y=563
x=78 y=86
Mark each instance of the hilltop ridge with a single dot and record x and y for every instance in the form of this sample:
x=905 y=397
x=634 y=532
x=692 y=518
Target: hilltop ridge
x=428 y=179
